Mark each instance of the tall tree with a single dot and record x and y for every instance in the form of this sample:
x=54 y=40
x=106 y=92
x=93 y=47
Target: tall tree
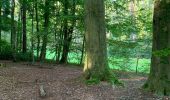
x=68 y=31
x=0 y=18
x=65 y=32
x=96 y=63
x=24 y=14
x=159 y=78
x=46 y=24
x=13 y=30
x=37 y=28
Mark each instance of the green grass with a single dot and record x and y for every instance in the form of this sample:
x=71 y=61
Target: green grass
x=127 y=64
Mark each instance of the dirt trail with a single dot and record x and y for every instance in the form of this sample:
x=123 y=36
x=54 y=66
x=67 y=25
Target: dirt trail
x=21 y=81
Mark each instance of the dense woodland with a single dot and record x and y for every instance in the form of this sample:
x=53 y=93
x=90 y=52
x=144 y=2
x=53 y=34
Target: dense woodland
x=101 y=35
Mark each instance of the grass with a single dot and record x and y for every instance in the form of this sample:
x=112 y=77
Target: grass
x=126 y=64
x=130 y=64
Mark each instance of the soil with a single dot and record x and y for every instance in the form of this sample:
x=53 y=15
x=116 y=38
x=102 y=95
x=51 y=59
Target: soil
x=22 y=81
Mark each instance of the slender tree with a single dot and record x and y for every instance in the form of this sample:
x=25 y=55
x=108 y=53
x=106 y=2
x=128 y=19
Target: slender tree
x=68 y=31
x=13 y=30
x=65 y=32
x=19 y=32
x=46 y=24
x=37 y=28
x=0 y=18
x=24 y=14
x=32 y=35
x=159 y=77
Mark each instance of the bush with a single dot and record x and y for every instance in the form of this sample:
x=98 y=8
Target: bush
x=24 y=56
x=5 y=50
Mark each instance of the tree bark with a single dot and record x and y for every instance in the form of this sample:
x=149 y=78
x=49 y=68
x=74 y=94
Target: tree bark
x=96 y=63
x=37 y=28
x=0 y=19
x=32 y=35
x=82 y=51
x=19 y=32
x=46 y=22
x=159 y=77
x=13 y=31
x=24 y=45
x=65 y=31
x=68 y=31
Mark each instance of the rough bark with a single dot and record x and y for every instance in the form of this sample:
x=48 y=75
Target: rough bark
x=96 y=64
x=159 y=78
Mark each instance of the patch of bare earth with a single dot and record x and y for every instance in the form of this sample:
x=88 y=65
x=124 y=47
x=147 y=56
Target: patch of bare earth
x=19 y=81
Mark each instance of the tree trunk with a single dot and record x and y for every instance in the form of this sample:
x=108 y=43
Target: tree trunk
x=13 y=31
x=159 y=78
x=24 y=45
x=37 y=28
x=96 y=63
x=32 y=35
x=19 y=32
x=65 y=29
x=82 y=51
x=0 y=19
x=68 y=31
x=46 y=22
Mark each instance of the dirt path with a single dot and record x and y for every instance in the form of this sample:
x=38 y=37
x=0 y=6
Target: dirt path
x=19 y=81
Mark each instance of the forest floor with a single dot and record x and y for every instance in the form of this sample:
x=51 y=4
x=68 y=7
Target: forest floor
x=22 y=81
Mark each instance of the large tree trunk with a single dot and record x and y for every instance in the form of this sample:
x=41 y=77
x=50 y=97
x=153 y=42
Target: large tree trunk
x=159 y=78
x=96 y=64
x=46 y=22
x=24 y=45
x=13 y=30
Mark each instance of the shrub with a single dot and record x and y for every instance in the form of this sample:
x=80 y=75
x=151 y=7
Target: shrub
x=5 y=50
x=24 y=56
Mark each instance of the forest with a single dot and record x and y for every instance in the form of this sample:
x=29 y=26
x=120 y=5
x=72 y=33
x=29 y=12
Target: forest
x=84 y=49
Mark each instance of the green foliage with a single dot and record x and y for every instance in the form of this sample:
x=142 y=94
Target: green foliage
x=110 y=77
x=162 y=53
x=24 y=56
x=92 y=81
x=5 y=50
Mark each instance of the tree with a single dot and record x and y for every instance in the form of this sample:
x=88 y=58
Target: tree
x=159 y=77
x=96 y=64
x=13 y=31
x=0 y=18
x=24 y=14
x=68 y=31
x=37 y=28
x=46 y=24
